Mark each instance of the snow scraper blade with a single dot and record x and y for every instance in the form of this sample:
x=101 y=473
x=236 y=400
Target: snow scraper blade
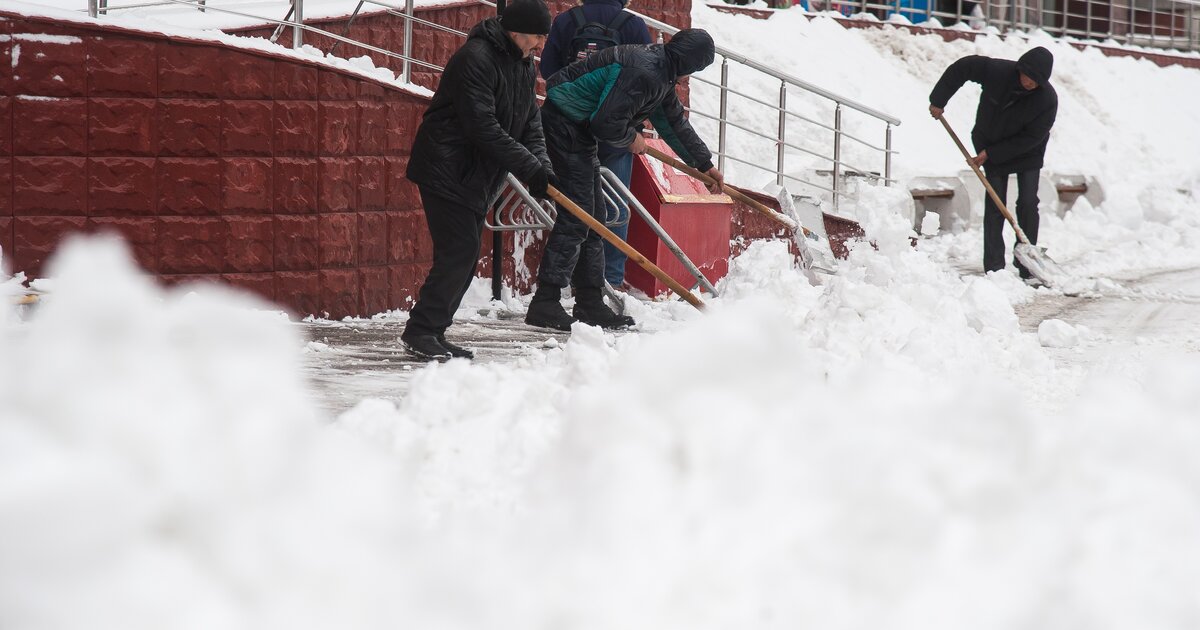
x=1034 y=258
x=815 y=252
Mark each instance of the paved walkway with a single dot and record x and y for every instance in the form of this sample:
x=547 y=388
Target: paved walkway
x=348 y=361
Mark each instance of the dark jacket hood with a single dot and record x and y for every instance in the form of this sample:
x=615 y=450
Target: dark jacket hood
x=490 y=31
x=1037 y=64
x=690 y=50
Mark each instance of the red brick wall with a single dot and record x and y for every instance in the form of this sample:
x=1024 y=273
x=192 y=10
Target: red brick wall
x=264 y=172
x=215 y=163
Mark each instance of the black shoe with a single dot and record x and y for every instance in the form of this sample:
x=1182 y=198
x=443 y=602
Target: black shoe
x=548 y=314
x=455 y=350
x=425 y=347
x=601 y=316
x=591 y=310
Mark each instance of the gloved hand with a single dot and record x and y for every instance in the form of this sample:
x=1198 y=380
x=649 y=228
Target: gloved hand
x=540 y=182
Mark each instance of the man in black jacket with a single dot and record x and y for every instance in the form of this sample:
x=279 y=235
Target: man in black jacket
x=483 y=123
x=604 y=99
x=1012 y=127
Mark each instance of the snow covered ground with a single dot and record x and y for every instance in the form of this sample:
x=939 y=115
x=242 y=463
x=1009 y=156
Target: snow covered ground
x=904 y=446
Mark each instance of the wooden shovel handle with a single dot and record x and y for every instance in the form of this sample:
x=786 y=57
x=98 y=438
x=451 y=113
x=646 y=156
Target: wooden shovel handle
x=991 y=191
x=732 y=190
x=620 y=244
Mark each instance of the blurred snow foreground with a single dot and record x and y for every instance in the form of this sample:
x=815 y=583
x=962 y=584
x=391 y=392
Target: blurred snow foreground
x=885 y=450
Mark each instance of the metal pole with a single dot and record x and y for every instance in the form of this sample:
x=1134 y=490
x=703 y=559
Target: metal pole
x=1087 y=24
x=782 y=134
x=887 y=157
x=497 y=243
x=837 y=156
x=298 y=21
x=1153 y=22
x=406 y=67
x=724 y=114
x=497 y=257
x=93 y=8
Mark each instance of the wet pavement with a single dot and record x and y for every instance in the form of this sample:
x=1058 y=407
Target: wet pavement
x=350 y=360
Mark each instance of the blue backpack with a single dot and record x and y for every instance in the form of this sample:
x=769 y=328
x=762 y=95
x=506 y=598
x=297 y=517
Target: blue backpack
x=592 y=36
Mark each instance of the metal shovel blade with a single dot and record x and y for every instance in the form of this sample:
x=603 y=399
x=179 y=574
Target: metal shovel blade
x=1035 y=260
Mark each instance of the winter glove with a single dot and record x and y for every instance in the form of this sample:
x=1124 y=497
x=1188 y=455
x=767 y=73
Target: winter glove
x=541 y=181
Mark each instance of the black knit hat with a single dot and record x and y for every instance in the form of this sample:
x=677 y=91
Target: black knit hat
x=1037 y=64
x=531 y=17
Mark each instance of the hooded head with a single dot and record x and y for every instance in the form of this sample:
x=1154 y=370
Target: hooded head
x=1036 y=64
x=690 y=50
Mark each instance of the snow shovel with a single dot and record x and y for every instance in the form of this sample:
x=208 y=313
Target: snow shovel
x=620 y=244
x=799 y=232
x=1034 y=258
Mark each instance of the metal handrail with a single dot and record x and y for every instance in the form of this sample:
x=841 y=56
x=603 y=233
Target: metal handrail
x=780 y=139
x=796 y=81
x=1119 y=21
x=306 y=27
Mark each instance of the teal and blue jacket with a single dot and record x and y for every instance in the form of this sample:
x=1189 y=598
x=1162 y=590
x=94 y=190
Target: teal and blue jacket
x=612 y=92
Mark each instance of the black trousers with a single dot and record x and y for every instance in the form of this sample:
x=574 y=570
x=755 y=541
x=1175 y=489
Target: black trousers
x=574 y=254
x=456 y=232
x=993 y=220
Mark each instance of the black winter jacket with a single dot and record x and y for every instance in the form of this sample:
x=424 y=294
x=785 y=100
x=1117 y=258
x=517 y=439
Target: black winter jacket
x=613 y=91
x=483 y=122
x=1012 y=124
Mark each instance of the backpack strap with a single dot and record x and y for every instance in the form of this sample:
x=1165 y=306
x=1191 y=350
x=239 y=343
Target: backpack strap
x=580 y=19
x=618 y=22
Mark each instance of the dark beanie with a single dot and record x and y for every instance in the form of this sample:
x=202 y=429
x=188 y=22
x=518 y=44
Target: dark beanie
x=1037 y=64
x=531 y=17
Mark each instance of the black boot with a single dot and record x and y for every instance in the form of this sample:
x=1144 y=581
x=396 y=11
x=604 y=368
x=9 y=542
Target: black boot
x=455 y=349
x=591 y=310
x=546 y=311
x=424 y=347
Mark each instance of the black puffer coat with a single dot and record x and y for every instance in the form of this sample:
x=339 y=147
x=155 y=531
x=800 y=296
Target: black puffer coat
x=613 y=91
x=483 y=122
x=1012 y=124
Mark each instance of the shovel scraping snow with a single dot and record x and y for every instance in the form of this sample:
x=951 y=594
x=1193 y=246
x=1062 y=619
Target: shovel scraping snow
x=1033 y=258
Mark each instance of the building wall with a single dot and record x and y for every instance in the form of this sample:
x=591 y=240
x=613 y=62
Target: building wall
x=276 y=175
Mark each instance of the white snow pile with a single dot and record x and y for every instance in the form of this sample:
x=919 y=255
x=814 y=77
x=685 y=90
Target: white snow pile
x=845 y=456
x=889 y=449
x=1055 y=333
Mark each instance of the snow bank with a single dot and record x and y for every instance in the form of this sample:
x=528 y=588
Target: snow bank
x=889 y=449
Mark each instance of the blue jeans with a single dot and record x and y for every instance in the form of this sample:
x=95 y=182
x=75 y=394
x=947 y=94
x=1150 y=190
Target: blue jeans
x=614 y=259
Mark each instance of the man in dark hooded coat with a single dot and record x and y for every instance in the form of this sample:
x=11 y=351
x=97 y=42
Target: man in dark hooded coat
x=483 y=123
x=1012 y=128
x=574 y=29
x=604 y=99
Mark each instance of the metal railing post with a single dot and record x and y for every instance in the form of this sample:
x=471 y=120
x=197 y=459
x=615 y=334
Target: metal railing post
x=298 y=24
x=1153 y=22
x=782 y=130
x=93 y=8
x=406 y=68
x=887 y=156
x=837 y=156
x=1087 y=20
x=721 y=126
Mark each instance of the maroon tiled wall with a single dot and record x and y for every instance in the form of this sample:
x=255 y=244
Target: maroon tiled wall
x=277 y=176
x=259 y=171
